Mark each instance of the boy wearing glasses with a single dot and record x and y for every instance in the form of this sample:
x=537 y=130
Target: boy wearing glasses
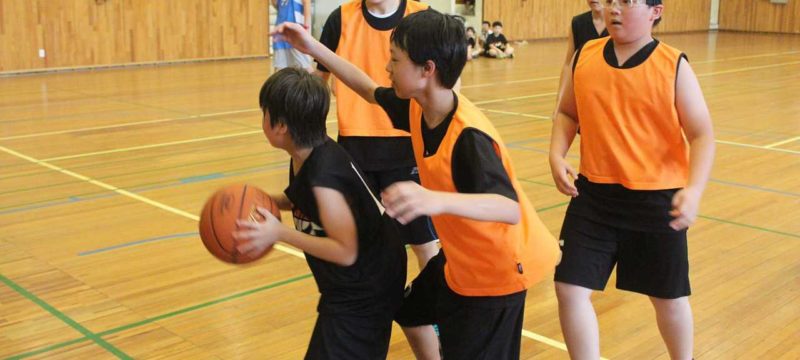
x=639 y=188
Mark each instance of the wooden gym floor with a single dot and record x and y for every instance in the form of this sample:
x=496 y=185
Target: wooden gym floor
x=103 y=173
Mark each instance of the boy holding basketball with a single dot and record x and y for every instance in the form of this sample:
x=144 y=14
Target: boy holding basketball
x=354 y=251
x=493 y=245
x=638 y=190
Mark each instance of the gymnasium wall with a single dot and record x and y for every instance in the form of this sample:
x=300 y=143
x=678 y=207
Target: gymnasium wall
x=541 y=19
x=760 y=15
x=100 y=32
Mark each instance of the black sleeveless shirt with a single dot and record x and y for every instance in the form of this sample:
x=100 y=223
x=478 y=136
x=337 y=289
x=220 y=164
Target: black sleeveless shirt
x=583 y=30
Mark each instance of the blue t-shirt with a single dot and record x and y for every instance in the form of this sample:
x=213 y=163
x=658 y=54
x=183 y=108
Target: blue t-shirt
x=288 y=11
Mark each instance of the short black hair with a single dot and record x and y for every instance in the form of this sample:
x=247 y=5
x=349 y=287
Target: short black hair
x=300 y=100
x=486 y=22
x=470 y=28
x=497 y=23
x=431 y=35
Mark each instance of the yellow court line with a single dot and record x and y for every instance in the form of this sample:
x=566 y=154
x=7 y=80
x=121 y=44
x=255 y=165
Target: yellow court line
x=757 y=146
x=127 y=193
x=745 y=57
x=25 y=136
x=150 y=146
x=543 y=339
x=692 y=62
x=784 y=142
x=718 y=141
x=748 y=69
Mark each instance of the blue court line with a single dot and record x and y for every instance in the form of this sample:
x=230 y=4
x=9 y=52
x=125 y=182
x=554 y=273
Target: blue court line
x=138 y=242
x=201 y=178
x=716 y=181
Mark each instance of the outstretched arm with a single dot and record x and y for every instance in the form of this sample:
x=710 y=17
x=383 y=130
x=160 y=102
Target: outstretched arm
x=344 y=71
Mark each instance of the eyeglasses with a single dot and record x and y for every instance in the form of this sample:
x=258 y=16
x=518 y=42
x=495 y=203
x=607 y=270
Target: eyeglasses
x=621 y=4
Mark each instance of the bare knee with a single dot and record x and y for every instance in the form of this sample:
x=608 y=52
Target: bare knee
x=568 y=293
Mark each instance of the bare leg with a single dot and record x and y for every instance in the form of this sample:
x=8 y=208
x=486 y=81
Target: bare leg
x=674 y=317
x=423 y=342
x=578 y=321
x=425 y=252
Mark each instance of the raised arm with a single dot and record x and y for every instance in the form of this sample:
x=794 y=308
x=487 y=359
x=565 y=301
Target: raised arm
x=344 y=71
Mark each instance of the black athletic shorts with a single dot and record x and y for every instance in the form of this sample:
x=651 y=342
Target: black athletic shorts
x=420 y=230
x=648 y=262
x=484 y=327
x=349 y=337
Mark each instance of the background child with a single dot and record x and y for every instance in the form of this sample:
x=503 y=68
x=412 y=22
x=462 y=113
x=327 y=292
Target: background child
x=635 y=99
x=359 y=31
x=354 y=252
x=496 y=45
x=296 y=11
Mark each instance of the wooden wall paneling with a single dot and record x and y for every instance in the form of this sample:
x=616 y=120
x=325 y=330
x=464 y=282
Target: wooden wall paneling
x=539 y=19
x=81 y=33
x=759 y=16
x=21 y=35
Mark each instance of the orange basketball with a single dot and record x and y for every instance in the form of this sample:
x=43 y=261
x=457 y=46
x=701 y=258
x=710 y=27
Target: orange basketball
x=219 y=215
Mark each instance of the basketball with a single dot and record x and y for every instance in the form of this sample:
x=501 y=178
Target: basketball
x=219 y=215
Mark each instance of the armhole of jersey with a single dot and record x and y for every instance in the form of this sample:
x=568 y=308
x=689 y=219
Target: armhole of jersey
x=575 y=59
x=678 y=68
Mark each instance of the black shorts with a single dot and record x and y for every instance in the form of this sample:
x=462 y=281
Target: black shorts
x=349 y=337
x=651 y=263
x=420 y=230
x=484 y=327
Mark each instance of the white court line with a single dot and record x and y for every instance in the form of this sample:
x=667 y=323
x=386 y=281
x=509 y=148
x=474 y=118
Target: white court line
x=784 y=142
x=129 y=194
x=514 y=98
x=25 y=136
x=516 y=114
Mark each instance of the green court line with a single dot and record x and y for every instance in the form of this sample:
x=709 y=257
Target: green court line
x=66 y=319
x=749 y=226
x=288 y=281
x=157 y=318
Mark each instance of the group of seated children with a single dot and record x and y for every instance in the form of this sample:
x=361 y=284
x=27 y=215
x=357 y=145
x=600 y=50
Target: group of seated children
x=491 y=42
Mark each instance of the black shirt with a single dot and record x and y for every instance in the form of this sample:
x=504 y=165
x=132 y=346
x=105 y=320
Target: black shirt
x=476 y=166
x=494 y=39
x=370 y=153
x=373 y=285
x=471 y=42
x=583 y=30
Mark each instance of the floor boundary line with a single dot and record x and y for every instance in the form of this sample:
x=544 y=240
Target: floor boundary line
x=126 y=193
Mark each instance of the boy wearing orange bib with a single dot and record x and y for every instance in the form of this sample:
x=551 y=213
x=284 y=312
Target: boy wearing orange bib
x=494 y=246
x=639 y=188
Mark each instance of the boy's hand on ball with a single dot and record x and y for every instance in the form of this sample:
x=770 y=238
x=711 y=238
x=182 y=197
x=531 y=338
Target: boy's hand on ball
x=256 y=236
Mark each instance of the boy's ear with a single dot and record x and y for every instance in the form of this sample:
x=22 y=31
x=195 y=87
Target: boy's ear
x=429 y=68
x=656 y=12
x=281 y=128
